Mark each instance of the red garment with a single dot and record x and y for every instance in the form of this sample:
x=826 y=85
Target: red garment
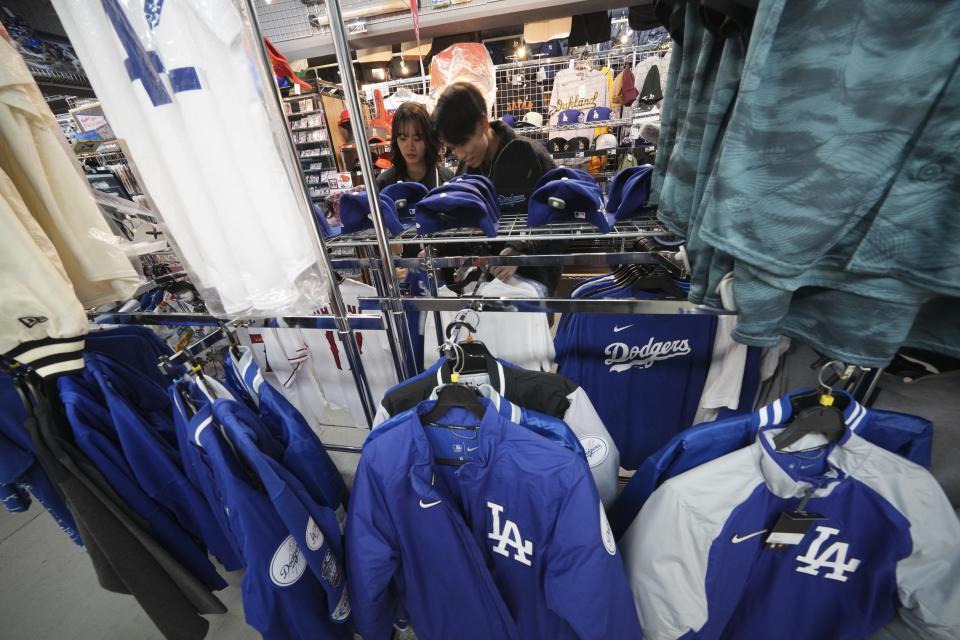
x=628 y=90
x=281 y=66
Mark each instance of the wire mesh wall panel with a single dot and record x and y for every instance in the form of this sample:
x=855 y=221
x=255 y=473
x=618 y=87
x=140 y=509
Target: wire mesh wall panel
x=284 y=19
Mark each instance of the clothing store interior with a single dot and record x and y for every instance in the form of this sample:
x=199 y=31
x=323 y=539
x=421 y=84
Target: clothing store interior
x=480 y=319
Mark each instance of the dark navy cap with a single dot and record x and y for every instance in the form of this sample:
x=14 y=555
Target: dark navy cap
x=635 y=193
x=454 y=209
x=616 y=185
x=569 y=116
x=598 y=114
x=405 y=195
x=568 y=200
x=355 y=213
x=509 y=119
x=580 y=143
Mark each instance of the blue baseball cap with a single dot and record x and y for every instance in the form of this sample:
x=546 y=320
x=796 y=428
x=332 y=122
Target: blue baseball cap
x=355 y=213
x=509 y=119
x=405 y=195
x=569 y=116
x=484 y=185
x=326 y=230
x=563 y=172
x=453 y=209
x=568 y=200
x=619 y=181
x=635 y=193
x=598 y=114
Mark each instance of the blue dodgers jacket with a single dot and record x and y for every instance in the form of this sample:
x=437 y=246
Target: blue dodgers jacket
x=94 y=435
x=906 y=435
x=294 y=586
x=141 y=415
x=297 y=447
x=512 y=544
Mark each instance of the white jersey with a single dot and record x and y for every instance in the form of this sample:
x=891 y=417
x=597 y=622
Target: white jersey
x=581 y=89
x=329 y=364
x=175 y=80
x=520 y=338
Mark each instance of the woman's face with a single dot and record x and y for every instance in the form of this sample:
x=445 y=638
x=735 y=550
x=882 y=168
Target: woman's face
x=412 y=145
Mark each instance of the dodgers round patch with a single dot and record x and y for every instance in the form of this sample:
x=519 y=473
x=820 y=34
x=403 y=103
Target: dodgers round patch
x=596 y=450
x=288 y=564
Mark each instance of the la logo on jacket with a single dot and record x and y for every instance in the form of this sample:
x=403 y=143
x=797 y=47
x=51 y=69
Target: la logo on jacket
x=833 y=557
x=509 y=536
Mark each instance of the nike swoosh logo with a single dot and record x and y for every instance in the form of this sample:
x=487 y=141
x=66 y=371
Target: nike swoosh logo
x=736 y=539
x=472 y=448
x=427 y=505
x=619 y=329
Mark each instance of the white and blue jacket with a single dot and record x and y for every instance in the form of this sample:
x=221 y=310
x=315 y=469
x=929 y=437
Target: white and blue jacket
x=699 y=566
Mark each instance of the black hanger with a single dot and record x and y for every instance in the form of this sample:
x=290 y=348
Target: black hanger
x=816 y=412
x=474 y=274
x=232 y=339
x=455 y=396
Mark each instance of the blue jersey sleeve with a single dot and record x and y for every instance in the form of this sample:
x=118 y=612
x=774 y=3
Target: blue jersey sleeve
x=371 y=557
x=585 y=582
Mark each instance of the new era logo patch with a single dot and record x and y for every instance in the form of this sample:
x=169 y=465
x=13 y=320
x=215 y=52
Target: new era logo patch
x=31 y=321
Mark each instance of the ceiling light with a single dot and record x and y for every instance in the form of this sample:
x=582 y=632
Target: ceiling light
x=521 y=52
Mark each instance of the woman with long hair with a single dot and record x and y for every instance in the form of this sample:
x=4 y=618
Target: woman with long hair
x=416 y=149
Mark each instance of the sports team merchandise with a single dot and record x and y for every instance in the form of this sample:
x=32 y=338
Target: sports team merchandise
x=670 y=348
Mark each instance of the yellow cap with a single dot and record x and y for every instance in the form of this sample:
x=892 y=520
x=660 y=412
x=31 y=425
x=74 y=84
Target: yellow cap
x=826 y=401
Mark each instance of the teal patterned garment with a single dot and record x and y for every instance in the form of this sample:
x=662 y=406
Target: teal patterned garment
x=820 y=165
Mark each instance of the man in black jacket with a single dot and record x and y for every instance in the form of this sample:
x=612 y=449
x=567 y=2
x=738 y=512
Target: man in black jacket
x=513 y=163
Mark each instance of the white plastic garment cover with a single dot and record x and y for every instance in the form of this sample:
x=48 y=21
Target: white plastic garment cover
x=181 y=83
x=464 y=62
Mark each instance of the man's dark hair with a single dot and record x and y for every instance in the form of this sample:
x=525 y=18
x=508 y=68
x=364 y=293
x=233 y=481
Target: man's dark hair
x=413 y=115
x=458 y=110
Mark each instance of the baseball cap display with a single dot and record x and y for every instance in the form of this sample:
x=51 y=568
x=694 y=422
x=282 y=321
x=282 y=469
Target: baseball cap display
x=405 y=196
x=531 y=119
x=355 y=213
x=569 y=116
x=629 y=191
x=556 y=145
x=605 y=141
x=453 y=209
x=478 y=185
x=578 y=144
x=598 y=114
x=568 y=199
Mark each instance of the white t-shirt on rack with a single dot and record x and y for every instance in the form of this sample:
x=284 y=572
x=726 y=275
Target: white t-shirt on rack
x=522 y=339
x=192 y=115
x=581 y=89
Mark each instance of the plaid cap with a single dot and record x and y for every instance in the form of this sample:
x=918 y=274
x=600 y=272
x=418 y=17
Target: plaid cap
x=453 y=209
x=568 y=200
x=405 y=195
x=355 y=213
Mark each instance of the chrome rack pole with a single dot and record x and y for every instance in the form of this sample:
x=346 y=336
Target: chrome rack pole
x=344 y=332
x=432 y=280
x=397 y=330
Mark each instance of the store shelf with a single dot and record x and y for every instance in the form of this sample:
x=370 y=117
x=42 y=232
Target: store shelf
x=564 y=155
x=307 y=128
x=304 y=113
x=513 y=226
x=618 y=122
x=312 y=143
x=302 y=96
